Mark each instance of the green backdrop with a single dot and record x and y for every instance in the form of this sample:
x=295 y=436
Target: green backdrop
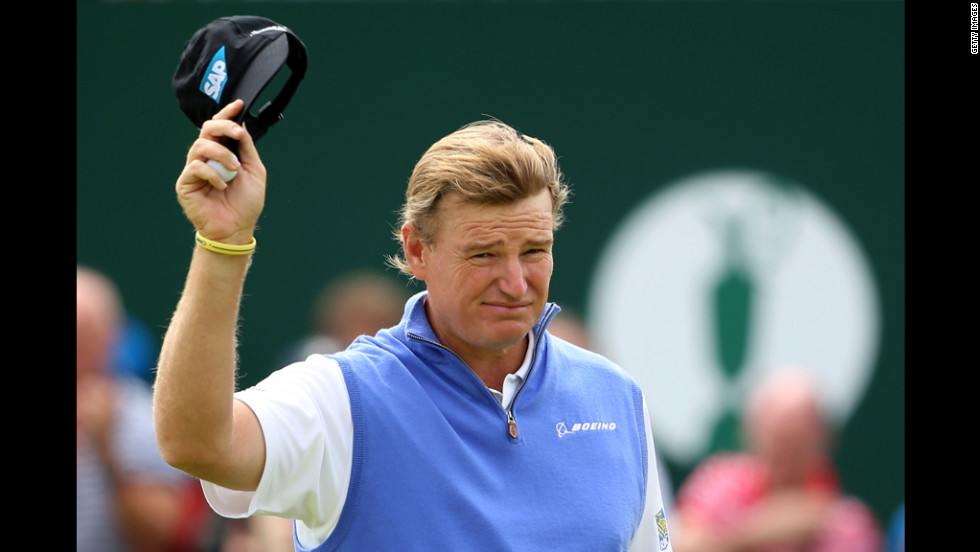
x=632 y=95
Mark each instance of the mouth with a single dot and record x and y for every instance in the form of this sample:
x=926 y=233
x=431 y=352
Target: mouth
x=507 y=307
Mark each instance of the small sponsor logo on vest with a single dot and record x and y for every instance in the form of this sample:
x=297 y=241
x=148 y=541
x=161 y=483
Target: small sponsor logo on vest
x=564 y=430
x=662 y=533
x=214 y=80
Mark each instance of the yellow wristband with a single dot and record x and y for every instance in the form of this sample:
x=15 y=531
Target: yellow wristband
x=224 y=248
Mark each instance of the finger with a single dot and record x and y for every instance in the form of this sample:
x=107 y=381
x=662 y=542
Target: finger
x=246 y=146
x=198 y=172
x=216 y=129
x=223 y=123
x=204 y=148
x=230 y=111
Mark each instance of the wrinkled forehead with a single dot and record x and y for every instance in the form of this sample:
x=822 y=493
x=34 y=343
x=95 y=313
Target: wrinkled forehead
x=531 y=218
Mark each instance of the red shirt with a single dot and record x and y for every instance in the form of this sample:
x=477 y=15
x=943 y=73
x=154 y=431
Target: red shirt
x=725 y=488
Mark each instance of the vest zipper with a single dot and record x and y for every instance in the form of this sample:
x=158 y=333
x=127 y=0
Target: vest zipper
x=511 y=421
x=511 y=424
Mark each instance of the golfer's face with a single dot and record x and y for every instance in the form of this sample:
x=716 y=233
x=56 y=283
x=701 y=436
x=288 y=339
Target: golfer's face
x=488 y=271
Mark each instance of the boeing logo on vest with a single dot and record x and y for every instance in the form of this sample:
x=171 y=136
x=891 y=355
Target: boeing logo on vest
x=563 y=429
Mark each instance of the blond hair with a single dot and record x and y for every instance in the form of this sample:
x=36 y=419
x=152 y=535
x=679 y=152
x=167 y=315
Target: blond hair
x=486 y=162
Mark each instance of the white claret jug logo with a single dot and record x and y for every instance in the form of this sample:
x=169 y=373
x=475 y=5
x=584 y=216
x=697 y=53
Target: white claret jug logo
x=216 y=76
x=721 y=278
x=564 y=430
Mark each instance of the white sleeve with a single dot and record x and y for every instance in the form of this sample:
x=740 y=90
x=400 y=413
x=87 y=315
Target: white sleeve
x=305 y=413
x=648 y=535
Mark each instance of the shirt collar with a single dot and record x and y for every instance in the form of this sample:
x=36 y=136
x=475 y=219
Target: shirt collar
x=526 y=365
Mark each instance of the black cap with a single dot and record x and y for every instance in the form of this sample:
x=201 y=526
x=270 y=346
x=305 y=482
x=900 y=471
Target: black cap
x=233 y=58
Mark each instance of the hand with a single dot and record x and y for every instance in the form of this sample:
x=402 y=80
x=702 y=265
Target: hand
x=219 y=210
x=787 y=519
x=790 y=517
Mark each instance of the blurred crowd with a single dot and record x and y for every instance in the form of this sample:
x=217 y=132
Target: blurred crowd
x=780 y=492
x=127 y=497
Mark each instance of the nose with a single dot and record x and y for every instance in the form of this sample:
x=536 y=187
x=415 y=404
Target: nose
x=513 y=280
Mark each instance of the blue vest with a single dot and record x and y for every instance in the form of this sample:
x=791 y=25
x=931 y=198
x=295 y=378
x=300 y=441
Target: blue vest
x=436 y=468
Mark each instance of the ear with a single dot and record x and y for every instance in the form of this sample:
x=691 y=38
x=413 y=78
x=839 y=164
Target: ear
x=413 y=248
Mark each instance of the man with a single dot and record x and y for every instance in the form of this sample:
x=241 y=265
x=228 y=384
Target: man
x=127 y=497
x=465 y=427
x=781 y=494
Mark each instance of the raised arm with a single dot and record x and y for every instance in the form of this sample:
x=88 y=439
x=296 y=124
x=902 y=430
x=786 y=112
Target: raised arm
x=201 y=429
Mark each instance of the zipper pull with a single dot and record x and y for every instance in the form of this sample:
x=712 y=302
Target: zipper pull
x=511 y=425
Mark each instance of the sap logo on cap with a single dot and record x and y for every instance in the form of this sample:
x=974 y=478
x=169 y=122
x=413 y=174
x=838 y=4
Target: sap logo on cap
x=215 y=78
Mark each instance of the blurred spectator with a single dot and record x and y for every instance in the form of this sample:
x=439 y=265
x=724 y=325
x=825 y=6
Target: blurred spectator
x=127 y=497
x=782 y=492
x=359 y=302
x=896 y=530
x=570 y=326
x=135 y=351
